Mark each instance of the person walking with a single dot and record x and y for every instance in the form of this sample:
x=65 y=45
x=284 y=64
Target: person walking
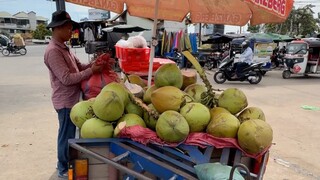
x=66 y=73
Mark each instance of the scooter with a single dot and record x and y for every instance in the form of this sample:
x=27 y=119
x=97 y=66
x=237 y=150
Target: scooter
x=14 y=50
x=176 y=57
x=226 y=70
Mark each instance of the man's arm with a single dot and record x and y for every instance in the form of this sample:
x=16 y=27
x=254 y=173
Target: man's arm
x=57 y=64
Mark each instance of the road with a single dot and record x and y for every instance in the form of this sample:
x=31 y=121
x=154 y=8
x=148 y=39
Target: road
x=29 y=123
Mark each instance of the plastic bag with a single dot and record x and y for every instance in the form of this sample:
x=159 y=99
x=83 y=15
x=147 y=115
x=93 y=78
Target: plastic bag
x=92 y=86
x=216 y=171
x=137 y=41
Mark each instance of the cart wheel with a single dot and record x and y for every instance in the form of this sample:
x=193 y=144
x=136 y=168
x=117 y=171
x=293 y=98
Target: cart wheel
x=242 y=166
x=286 y=74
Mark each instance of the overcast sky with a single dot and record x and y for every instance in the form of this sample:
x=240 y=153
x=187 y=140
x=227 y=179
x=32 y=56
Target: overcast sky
x=46 y=7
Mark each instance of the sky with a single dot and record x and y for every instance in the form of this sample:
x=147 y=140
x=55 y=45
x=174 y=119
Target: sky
x=46 y=7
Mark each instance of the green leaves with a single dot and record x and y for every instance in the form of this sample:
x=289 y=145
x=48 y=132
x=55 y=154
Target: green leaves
x=40 y=32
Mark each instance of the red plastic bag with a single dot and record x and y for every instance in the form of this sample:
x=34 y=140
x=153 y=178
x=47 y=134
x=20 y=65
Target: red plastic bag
x=92 y=86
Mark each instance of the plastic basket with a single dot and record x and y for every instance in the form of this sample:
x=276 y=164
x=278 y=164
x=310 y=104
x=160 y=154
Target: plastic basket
x=139 y=67
x=133 y=54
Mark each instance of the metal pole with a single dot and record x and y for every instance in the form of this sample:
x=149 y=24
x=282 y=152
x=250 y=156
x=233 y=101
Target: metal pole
x=60 y=5
x=154 y=42
x=200 y=34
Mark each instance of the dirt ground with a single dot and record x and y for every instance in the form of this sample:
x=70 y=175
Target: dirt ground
x=29 y=123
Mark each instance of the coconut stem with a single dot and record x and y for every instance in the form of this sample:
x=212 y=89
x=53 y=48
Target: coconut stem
x=208 y=98
x=141 y=104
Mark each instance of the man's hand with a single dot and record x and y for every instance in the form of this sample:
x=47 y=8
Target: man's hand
x=96 y=68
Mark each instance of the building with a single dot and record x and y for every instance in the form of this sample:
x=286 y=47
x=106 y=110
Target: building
x=20 y=22
x=146 y=23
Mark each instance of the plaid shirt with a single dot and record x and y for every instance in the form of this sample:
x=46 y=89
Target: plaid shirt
x=66 y=73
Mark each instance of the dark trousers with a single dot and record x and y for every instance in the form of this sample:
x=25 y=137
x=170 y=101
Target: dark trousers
x=66 y=131
x=240 y=67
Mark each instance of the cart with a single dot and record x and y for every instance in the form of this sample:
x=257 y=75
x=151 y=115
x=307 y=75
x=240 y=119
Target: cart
x=152 y=161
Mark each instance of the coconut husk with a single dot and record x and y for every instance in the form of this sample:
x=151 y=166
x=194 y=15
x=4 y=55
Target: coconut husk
x=189 y=77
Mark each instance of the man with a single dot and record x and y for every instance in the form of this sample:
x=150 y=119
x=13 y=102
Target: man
x=245 y=59
x=66 y=73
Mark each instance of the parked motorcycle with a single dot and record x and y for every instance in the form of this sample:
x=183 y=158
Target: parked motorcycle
x=252 y=74
x=14 y=50
x=277 y=59
x=176 y=57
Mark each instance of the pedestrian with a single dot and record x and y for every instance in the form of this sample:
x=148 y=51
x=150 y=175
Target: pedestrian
x=66 y=73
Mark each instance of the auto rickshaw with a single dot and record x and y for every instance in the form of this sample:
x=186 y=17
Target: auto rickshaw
x=302 y=57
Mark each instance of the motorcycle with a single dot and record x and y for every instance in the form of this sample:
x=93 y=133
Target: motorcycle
x=226 y=70
x=278 y=60
x=14 y=50
x=176 y=57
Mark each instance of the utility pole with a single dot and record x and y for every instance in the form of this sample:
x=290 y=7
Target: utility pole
x=60 y=5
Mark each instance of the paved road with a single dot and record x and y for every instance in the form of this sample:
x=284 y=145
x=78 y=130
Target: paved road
x=29 y=124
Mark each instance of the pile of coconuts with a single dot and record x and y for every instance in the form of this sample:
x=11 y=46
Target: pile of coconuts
x=172 y=108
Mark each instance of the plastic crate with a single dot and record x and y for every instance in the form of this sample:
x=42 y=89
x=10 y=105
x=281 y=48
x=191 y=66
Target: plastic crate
x=140 y=67
x=133 y=54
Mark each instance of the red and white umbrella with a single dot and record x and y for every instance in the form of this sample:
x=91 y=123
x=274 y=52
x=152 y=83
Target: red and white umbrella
x=228 y=12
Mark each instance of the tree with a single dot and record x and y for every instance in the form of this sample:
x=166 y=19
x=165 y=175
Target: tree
x=40 y=32
x=299 y=22
x=254 y=29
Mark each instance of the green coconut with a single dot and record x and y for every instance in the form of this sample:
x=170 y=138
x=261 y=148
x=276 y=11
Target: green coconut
x=135 y=79
x=128 y=120
x=81 y=112
x=96 y=128
x=197 y=116
x=225 y=125
x=172 y=127
x=233 y=99
x=255 y=135
x=147 y=94
x=167 y=98
x=108 y=106
x=132 y=108
x=119 y=89
x=195 y=91
x=168 y=75
x=251 y=113
x=149 y=120
x=216 y=111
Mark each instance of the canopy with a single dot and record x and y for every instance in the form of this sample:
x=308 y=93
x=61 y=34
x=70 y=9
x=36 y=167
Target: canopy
x=124 y=28
x=313 y=42
x=281 y=38
x=252 y=39
x=230 y=12
x=221 y=38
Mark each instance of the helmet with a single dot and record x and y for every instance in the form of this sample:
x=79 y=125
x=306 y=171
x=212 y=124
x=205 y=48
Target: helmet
x=245 y=44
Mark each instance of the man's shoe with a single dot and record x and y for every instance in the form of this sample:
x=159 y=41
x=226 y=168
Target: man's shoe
x=63 y=176
x=234 y=77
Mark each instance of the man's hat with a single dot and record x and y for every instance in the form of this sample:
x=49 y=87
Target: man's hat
x=61 y=17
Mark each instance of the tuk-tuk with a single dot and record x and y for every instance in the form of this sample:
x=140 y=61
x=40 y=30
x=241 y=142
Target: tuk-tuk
x=261 y=47
x=4 y=40
x=302 y=57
